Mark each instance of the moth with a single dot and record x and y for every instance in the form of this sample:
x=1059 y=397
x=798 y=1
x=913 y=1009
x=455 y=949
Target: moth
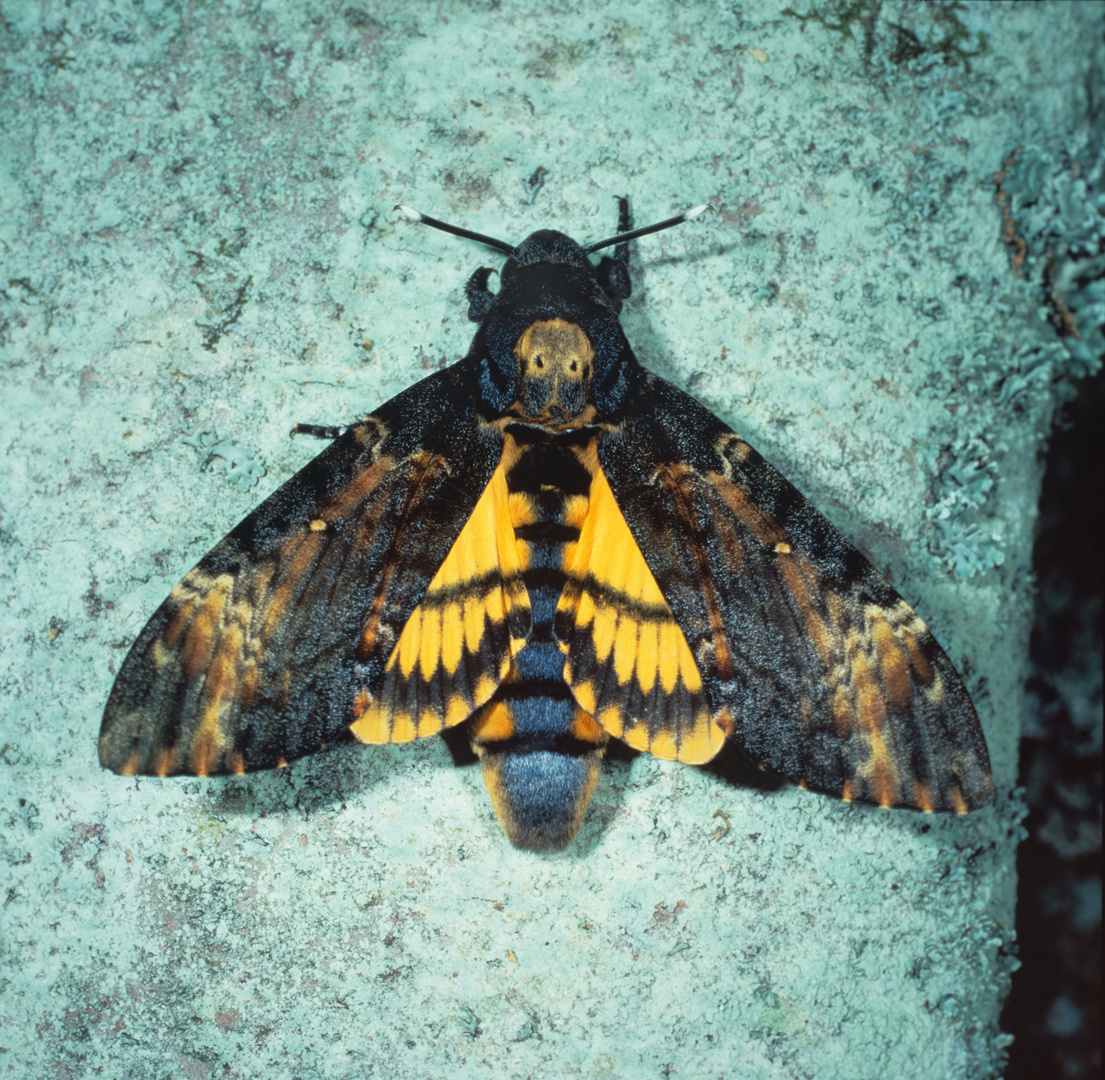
x=555 y=547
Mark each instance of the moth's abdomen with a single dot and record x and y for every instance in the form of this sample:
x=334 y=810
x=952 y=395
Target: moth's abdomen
x=541 y=755
x=540 y=751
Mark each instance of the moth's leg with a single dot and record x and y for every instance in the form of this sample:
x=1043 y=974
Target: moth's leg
x=621 y=251
x=613 y=272
x=320 y=431
x=478 y=294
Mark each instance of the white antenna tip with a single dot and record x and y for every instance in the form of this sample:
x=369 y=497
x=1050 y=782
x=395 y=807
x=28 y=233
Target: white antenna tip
x=696 y=211
x=406 y=211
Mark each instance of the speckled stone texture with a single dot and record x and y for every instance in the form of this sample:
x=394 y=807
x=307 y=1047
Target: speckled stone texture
x=198 y=251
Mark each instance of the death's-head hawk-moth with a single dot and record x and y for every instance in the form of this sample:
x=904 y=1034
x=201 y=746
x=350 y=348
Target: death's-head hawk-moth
x=555 y=547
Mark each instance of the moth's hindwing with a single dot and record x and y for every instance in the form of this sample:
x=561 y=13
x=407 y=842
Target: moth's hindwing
x=628 y=663
x=456 y=647
x=809 y=660
x=272 y=646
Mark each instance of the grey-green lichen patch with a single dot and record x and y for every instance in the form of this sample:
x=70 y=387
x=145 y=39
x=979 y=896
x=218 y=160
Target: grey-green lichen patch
x=966 y=472
x=1054 y=227
x=1053 y=201
x=912 y=37
x=242 y=466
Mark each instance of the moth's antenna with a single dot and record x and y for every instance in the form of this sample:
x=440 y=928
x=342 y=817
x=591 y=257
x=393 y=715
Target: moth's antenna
x=456 y=230
x=621 y=238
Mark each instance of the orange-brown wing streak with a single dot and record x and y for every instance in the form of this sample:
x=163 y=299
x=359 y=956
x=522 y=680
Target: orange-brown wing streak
x=456 y=647
x=878 y=682
x=205 y=667
x=628 y=663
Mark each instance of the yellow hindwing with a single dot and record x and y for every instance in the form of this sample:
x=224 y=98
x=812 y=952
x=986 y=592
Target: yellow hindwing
x=456 y=647
x=629 y=665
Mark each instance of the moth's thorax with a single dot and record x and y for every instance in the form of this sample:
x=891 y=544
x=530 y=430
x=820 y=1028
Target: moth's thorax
x=547 y=247
x=555 y=361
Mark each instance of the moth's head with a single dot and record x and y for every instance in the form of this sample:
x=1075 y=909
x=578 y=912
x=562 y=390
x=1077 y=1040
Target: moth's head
x=549 y=344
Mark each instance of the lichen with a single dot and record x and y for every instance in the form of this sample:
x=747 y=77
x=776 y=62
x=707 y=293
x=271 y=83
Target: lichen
x=1053 y=206
x=963 y=535
x=925 y=37
x=243 y=465
x=1053 y=221
x=223 y=286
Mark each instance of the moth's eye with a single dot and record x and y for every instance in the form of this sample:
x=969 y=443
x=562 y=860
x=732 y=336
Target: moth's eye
x=507 y=272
